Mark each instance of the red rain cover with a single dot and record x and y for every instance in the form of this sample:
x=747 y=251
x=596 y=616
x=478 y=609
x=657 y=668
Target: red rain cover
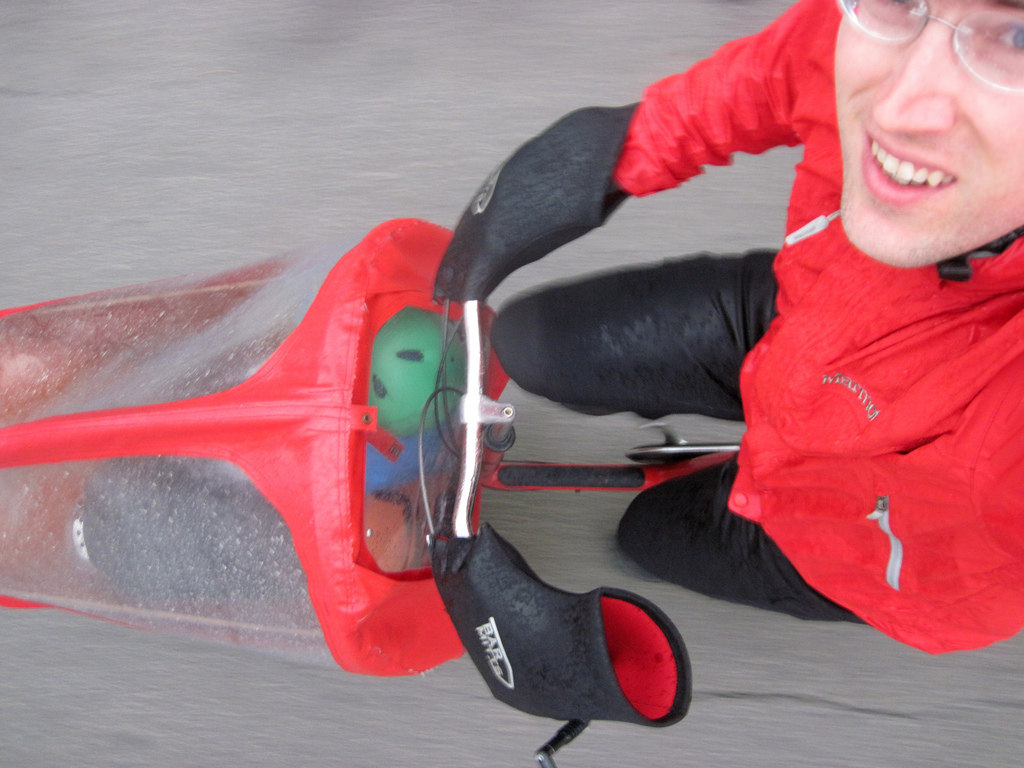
x=297 y=427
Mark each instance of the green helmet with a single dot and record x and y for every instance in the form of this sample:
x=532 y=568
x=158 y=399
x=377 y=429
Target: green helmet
x=404 y=368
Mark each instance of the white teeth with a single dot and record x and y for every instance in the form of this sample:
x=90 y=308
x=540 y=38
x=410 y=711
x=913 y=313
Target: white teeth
x=905 y=172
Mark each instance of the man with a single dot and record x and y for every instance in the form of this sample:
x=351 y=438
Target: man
x=876 y=359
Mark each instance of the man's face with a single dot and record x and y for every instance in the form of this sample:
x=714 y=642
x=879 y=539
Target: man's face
x=914 y=111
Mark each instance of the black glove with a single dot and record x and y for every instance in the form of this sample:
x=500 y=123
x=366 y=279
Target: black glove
x=553 y=189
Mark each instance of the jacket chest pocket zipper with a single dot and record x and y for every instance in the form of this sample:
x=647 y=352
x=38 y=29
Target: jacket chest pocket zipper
x=881 y=515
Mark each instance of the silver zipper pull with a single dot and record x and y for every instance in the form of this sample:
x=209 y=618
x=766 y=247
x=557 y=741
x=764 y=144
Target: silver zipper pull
x=881 y=515
x=811 y=228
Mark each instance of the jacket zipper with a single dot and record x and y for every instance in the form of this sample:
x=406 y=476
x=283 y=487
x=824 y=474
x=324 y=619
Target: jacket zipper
x=881 y=515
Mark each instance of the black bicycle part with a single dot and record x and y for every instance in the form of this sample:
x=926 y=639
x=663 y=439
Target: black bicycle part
x=553 y=189
x=599 y=476
x=567 y=733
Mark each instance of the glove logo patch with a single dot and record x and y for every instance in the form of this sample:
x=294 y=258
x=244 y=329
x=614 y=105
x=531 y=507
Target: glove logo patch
x=494 y=652
x=483 y=197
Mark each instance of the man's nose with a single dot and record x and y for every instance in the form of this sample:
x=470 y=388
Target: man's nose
x=921 y=93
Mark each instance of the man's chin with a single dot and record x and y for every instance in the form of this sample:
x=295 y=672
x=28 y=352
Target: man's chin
x=883 y=241
x=903 y=258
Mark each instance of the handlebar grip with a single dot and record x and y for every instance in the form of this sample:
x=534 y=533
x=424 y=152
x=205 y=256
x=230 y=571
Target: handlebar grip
x=603 y=655
x=554 y=188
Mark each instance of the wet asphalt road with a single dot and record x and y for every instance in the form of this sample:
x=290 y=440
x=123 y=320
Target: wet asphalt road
x=144 y=140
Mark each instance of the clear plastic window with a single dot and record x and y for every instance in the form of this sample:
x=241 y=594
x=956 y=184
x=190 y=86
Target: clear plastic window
x=417 y=378
x=173 y=543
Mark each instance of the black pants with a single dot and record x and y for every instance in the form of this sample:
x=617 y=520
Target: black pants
x=660 y=340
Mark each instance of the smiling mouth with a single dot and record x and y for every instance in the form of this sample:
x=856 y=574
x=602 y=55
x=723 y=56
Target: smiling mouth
x=905 y=173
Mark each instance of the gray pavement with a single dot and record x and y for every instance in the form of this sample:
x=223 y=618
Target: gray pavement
x=142 y=140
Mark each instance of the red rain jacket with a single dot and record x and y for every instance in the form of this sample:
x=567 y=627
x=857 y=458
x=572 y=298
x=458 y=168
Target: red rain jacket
x=884 y=408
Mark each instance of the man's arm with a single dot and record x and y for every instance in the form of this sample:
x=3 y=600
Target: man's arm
x=766 y=90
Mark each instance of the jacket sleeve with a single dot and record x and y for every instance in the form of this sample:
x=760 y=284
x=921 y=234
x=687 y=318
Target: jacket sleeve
x=766 y=90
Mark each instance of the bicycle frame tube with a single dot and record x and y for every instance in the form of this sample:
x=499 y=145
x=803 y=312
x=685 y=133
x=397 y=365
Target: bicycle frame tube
x=543 y=476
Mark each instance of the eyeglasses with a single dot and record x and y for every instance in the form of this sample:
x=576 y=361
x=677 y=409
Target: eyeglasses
x=989 y=42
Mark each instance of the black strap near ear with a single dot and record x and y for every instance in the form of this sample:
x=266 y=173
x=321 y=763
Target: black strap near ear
x=605 y=655
x=958 y=269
